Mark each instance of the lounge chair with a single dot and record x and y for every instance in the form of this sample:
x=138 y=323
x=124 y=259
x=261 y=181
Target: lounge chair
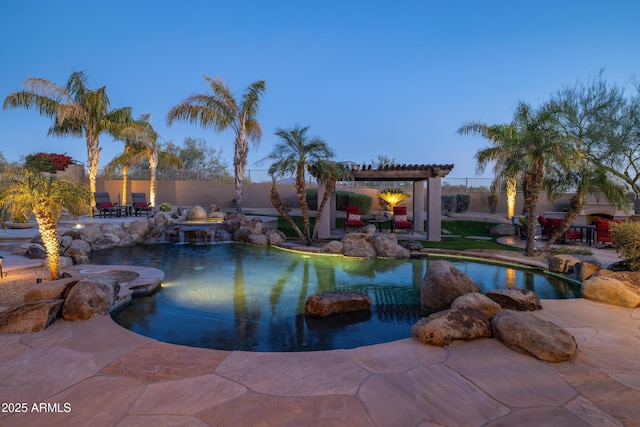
x=104 y=205
x=354 y=219
x=400 y=219
x=140 y=204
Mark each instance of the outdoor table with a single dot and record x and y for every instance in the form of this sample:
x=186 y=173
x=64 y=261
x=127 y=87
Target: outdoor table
x=587 y=231
x=379 y=222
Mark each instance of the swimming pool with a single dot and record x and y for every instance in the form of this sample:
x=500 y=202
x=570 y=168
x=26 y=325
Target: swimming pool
x=232 y=296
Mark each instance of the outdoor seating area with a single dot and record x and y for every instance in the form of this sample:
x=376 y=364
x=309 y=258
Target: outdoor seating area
x=400 y=219
x=598 y=232
x=140 y=204
x=105 y=207
x=354 y=218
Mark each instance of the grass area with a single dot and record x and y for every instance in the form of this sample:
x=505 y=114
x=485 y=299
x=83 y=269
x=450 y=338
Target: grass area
x=458 y=228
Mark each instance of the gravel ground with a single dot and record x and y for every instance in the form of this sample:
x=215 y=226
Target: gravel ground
x=16 y=283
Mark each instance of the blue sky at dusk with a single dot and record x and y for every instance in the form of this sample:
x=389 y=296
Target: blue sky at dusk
x=370 y=77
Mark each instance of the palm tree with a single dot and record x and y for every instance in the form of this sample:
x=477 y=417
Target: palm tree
x=521 y=148
x=327 y=172
x=23 y=192
x=504 y=153
x=292 y=156
x=221 y=111
x=141 y=144
x=76 y=110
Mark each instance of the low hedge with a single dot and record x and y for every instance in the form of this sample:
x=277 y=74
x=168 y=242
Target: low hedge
x=343 y=199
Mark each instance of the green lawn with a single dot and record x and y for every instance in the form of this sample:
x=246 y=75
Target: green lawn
x=461 y=228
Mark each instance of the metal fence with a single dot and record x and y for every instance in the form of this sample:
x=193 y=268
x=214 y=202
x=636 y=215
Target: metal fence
x=262 y=176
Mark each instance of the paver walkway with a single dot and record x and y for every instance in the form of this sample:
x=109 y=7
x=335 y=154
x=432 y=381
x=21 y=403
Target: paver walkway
x=96 y=373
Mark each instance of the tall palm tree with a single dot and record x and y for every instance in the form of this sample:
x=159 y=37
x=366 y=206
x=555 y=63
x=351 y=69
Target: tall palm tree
x=23 y=192
x=327 y=172
x=291 y=156
x=504 y=153
x=76 y=110
x=221 y=111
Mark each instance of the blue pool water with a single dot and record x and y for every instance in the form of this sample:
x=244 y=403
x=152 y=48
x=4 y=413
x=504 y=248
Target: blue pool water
x=231 y=296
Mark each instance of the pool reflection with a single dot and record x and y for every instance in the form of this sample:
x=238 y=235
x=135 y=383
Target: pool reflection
x=240 y=297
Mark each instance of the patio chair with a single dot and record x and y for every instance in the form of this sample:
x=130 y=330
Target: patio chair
x=400 y=219
x=354 y=219
x=140 y=204
x=552 y=224
x=104 y=205
x=603 y=232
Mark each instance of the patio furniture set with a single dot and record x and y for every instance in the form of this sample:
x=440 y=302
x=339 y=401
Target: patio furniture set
x=599 y=232
x=399 y=220
x=105 y=207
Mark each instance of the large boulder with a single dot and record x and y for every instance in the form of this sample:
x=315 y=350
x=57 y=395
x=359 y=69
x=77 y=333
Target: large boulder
x=332 y=247
x=503 y=230
x=138 y=230
x=621 y=288
x=442 y=328
x=114 y=228
x=78 y=256
x=107 y=241
x=478 y=301
x=359 y=245
x=276 y=237
x=197 y=213
x=412 y=245
x=90 y=298
x=242 y=234
x=387 y=246
x=55 y=289
x=331 y=303
x=30 y=317
x=91 y=233
x=442 y=284
x=516 y=299
x=567 y=264
x=35 y=251
x=258 y=239
x=528 y=334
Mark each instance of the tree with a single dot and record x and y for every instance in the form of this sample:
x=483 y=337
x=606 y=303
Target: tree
x=505 y=155
x=221 y=111
x=76 y=110
x=141 y=143
x=530 y=141
x=589 y=120
x=292 y=156
x=23 y=192
x=198 y=157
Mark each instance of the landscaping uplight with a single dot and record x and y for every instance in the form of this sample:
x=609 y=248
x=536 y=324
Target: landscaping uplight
x=392 y=196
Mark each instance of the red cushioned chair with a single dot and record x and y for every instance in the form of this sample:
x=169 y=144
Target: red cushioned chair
x=354 y=219
x=140 y=204
x=104 y=205
x=552 y=224
x=400 y=219
x=603 y=232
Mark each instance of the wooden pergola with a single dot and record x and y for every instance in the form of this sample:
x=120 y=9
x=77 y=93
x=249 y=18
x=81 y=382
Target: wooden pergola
x=418 y=174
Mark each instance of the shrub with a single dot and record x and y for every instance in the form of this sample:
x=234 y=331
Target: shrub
x=627 y=238
x=462 y=202
x=165 y=207
x=48 y=162
x=342 y=200
x=361 y=200
x=493 y=203
x=312 y=198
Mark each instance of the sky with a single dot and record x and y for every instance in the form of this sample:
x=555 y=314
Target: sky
x=369 y=77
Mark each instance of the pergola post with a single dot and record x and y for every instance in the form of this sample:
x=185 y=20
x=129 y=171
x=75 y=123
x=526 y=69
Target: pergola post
x=434 y=193
x=328 y=218
x=418 y=206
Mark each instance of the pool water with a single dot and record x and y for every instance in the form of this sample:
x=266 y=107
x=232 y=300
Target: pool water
x=232 y=296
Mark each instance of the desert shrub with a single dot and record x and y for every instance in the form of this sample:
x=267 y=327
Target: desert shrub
x=165 y=207
x=462 y=202
x=493 y=203
x=448 y=204
x=361 y=200
x=312 y=199
x=627 y=242
x=342 y=200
